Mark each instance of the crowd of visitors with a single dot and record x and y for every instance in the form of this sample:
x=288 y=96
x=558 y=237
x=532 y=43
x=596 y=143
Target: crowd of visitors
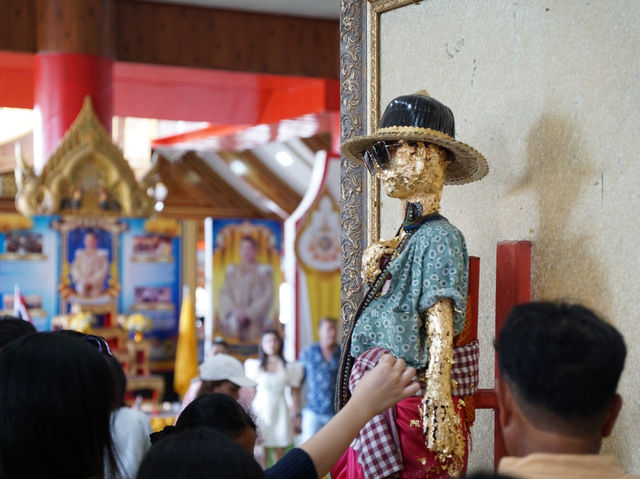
x=62 y=413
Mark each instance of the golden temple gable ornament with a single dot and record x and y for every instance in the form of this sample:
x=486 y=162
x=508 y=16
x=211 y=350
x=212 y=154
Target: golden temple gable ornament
x=87 y=175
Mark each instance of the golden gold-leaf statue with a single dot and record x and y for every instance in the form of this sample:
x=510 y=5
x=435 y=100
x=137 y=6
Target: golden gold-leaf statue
x=418 y=283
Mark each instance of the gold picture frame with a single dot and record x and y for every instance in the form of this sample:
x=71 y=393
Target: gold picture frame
x=360 y=106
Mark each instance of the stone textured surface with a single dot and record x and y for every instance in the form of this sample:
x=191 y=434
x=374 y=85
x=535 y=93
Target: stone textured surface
x=549 y=93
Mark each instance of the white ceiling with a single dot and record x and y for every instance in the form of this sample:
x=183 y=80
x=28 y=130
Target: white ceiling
x=329 y=9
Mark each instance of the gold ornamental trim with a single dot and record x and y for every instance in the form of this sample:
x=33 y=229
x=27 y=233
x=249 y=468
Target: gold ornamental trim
x=352 y=178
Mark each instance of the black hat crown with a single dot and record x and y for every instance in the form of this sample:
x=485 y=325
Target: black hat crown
x=421 y=111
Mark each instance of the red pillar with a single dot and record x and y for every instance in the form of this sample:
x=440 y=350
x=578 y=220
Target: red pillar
x=74 y=59
x=513 y=287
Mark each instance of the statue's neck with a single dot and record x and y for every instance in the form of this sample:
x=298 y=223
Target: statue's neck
x=430 y=203
x=415 y=213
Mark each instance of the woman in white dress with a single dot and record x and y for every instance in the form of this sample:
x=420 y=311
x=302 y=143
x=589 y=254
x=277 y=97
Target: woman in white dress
x=274 y=375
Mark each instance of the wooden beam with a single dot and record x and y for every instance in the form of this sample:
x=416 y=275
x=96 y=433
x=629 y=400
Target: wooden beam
x=318 y=142
x=196 y=191
x=262 y=179
x=222 y=193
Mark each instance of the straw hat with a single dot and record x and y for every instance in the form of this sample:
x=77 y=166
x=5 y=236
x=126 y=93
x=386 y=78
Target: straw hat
x=419 y=117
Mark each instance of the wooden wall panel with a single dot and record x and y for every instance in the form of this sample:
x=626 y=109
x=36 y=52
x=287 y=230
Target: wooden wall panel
x=226 y=39
x=18 y=25
x=76 y=26
x=180 y=35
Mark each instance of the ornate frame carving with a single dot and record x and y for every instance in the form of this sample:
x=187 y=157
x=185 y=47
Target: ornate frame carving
x=360 y=104
x=85 y=176
x=352 y=177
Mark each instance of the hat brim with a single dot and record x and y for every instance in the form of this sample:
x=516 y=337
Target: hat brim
x=242 y=381
x=468 y=165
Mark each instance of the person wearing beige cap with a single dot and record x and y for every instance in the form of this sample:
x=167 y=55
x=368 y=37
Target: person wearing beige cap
x=223 y=374
x=220 y=373
x=415 y=307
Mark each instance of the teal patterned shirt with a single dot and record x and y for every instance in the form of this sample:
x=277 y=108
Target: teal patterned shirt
x=433 y=265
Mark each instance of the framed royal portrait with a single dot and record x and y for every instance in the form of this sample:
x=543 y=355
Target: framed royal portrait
x=245 y=275
x=89 y=275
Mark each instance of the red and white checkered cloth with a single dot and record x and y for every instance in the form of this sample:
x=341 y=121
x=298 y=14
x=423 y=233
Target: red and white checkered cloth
x=377 y=444
x=465 y=371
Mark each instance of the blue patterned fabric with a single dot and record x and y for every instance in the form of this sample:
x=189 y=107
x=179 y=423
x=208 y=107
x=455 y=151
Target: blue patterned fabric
x=321 y=378
x=433 y=265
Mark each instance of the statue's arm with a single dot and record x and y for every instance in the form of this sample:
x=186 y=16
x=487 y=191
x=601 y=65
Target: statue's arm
x=440 y=421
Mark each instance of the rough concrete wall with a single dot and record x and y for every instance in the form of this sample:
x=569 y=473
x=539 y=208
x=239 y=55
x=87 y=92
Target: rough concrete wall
x=549 y=92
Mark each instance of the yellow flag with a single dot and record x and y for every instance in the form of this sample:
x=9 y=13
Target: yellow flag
x=186 y=367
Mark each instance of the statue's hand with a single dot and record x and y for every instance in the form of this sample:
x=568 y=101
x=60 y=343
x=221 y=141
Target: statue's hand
x=374 y=256
x=441 y=425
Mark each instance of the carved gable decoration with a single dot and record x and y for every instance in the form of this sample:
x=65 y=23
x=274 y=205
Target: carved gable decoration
x=87 y=175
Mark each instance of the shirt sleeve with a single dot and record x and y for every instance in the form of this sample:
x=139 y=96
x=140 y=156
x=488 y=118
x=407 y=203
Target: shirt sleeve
x=445 y=272
x=295 y=463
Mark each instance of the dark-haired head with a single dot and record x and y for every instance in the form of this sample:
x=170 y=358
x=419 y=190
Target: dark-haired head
x=219 y=412
x=96 y=342
x=120 y=381
x=222 y=386
x=12 y=328
x=265 y=343
x=100 y=344
x=563 y=364
x=56 y=393
x=199 y=453
x=70 y=332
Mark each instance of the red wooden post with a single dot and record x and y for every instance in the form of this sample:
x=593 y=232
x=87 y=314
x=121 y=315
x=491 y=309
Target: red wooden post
x=513 y=286
x=76 y=44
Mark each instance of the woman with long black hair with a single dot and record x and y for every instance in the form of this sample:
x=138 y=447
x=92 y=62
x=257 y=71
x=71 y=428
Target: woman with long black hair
x=56 y=396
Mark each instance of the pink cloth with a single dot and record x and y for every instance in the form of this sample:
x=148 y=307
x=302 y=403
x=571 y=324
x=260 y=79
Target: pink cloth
x=347 y=466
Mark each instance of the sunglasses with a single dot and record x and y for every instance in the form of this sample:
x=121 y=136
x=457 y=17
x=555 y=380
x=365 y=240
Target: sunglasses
x=99 y=343
x=378 y=154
